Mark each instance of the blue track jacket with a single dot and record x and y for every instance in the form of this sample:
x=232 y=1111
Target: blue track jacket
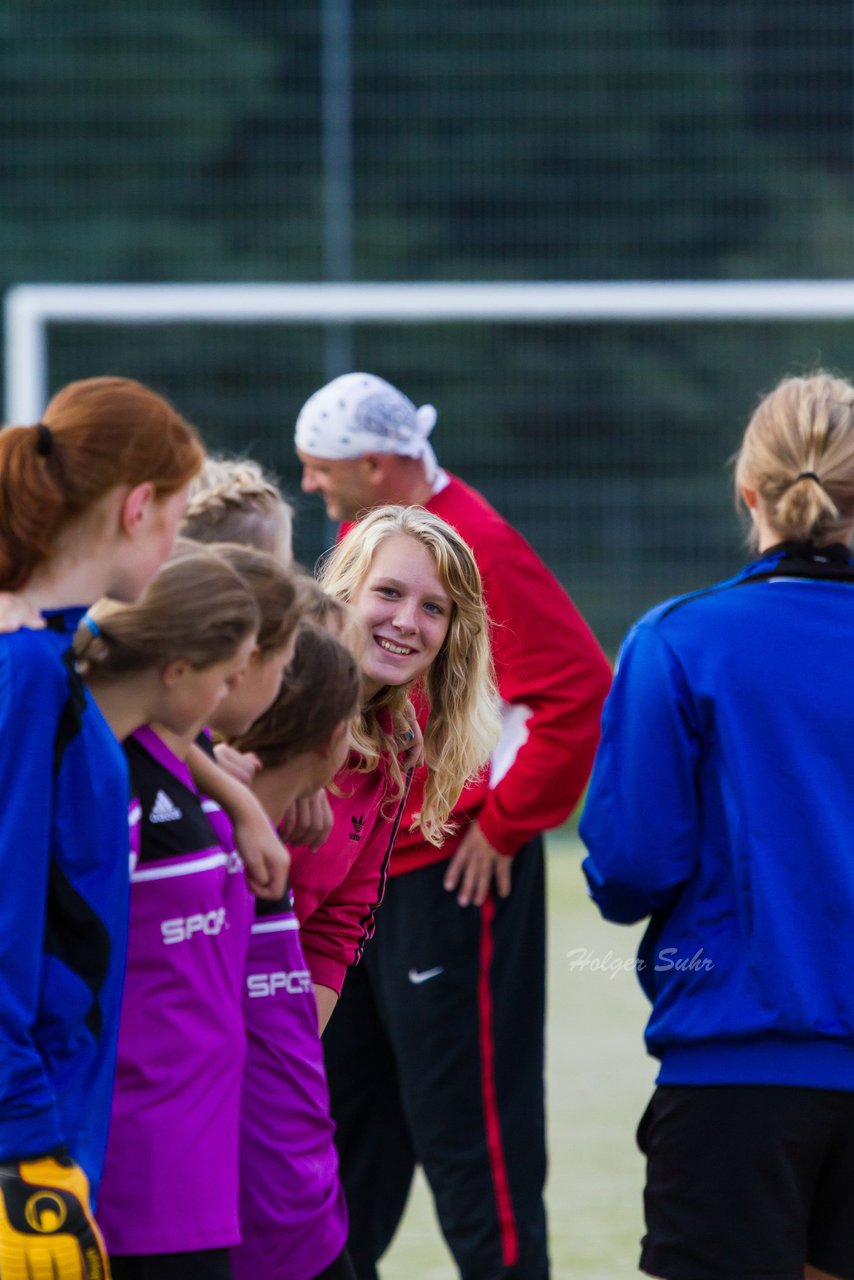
x=722 y=807
x=64 y=901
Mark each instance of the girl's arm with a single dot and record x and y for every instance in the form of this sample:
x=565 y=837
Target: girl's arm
x=266 y=859
x=326 y=1000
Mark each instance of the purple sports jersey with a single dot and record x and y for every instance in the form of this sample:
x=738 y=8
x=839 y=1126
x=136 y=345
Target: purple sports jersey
x=171 y=1175
x=292 y=1211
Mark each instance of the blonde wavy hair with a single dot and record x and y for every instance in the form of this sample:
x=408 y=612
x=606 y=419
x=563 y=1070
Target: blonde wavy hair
x=236 y=500
x=463 y=724
x=798 y=454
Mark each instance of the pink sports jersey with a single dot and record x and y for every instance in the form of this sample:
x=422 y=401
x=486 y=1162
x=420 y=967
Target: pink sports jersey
x=171 y=1175
x=292 y=1211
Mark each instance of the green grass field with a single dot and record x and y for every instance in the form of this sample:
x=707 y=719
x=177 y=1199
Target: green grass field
x=598 y=1080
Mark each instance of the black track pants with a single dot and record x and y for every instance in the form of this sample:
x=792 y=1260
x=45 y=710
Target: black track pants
x=435 y=1055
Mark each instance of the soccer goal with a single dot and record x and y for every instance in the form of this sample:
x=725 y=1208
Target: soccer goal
x=598 y=417
x=31 y=309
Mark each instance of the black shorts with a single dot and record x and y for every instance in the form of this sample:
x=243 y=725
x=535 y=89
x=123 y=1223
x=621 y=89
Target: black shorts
x=747 y=1182
x=203 y=1264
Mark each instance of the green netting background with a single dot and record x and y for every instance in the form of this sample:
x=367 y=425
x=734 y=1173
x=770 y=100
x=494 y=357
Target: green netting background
x=602 y=139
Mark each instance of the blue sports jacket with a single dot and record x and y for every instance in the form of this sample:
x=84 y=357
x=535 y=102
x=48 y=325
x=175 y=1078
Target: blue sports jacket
x=722 y=807
x=64 y=901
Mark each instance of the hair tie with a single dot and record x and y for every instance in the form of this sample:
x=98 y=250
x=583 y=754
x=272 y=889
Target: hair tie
x=808 y=475
x=44 y=440
x=88 y=621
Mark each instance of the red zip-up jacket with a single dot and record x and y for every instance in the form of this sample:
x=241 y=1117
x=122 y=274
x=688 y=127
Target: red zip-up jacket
x=552 y=676
x=338 y=887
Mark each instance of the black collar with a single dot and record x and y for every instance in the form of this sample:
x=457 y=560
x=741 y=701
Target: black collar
x=829 y=553
x=831 y=562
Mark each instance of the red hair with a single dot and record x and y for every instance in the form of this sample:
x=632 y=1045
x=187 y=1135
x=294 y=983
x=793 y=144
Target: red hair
x=103 y=432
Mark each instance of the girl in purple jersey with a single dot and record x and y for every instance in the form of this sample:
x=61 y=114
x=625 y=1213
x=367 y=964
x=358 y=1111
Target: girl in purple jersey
x=188 y=924
x=169 y=1201
x=293 y=1216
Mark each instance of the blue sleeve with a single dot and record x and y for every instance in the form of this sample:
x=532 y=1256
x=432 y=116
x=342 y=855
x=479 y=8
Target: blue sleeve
x=641 y=821
x=30 y=703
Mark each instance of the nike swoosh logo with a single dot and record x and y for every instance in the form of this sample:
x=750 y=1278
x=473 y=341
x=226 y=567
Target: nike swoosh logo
x=424 y=975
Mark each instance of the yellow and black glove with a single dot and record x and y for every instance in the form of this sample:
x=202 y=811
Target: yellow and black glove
x=47 y=1231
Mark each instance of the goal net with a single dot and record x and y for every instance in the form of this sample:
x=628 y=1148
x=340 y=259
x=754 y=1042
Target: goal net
x=598 y=417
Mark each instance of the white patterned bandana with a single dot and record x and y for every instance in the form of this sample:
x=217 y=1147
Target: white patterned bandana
x=359 y=413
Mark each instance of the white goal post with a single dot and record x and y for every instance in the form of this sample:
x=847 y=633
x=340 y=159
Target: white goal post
x=30 y=309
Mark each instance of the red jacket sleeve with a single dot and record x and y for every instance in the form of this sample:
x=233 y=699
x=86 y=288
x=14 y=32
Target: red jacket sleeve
x=548 y=663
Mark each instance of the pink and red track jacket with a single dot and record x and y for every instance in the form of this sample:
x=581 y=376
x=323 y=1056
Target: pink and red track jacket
x=338 y=887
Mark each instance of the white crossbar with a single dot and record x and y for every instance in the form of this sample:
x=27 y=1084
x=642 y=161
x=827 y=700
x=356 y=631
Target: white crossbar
x=29 y=309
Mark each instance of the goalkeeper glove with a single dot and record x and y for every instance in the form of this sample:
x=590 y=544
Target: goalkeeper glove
x=47 y=1231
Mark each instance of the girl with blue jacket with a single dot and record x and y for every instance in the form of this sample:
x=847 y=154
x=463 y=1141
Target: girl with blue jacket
x=90 y=499
x=722 y=808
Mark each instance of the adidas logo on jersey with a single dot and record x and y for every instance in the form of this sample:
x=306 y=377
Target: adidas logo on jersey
x=164 y=809
x=358 y=823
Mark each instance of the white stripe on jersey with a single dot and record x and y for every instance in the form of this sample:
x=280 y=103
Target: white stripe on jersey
x=211 y=806
x=275 y=926
x=153 y=871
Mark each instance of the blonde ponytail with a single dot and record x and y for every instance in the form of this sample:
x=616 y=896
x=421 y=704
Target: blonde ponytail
x=798 y=455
